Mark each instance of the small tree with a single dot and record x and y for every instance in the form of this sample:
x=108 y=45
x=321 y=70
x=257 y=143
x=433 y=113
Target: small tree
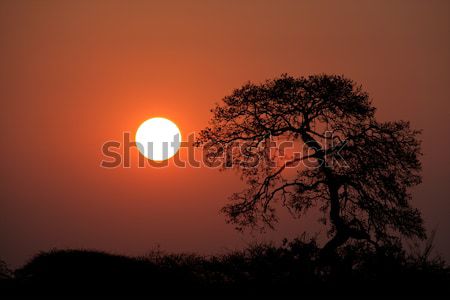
x=357 y=170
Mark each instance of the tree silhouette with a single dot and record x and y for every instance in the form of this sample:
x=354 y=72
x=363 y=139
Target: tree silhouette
x=356 y=169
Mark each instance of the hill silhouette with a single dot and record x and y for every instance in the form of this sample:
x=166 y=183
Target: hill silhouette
x=259 y=270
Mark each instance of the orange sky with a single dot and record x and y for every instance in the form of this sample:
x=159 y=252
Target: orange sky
x=75 y=74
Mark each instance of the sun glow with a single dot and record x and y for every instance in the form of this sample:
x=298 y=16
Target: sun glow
x=158 y=139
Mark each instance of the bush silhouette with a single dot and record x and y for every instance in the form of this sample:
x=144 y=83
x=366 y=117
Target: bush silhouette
x=295 y=267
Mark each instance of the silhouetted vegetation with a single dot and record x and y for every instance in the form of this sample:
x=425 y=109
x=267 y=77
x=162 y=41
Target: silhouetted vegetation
x=356 y=169
x=359 y=173
x=264 y=269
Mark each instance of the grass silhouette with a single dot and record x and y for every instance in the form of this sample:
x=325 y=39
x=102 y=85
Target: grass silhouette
x=259 y=270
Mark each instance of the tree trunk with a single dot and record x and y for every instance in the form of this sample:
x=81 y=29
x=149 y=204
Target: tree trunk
x=342 y=230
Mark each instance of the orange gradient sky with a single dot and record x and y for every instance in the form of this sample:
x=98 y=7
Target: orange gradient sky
x=75 y=74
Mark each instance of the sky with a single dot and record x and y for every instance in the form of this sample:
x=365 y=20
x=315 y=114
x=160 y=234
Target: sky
x=76 y=74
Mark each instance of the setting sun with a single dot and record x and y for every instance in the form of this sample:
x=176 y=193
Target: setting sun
x=158 y=139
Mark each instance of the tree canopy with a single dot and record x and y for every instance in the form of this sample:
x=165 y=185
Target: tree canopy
x=356 y=169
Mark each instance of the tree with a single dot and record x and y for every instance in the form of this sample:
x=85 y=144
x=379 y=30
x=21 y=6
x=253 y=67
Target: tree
x=357 y=170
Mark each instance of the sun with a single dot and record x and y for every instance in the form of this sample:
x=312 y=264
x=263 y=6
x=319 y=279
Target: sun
x=158 y=139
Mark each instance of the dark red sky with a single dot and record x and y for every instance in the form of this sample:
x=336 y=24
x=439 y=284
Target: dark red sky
x=75 y=74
